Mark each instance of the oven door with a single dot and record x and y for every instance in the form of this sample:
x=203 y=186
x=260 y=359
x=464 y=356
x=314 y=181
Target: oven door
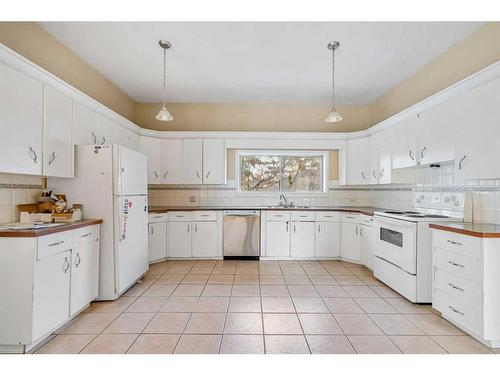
x=396 y=242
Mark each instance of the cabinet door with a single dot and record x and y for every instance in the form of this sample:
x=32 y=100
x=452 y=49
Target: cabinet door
x=405 y=153
x=477 y=132
x=374 y=159
x=57 y=134
x=85 y=125
x=84 y=276
x=385 y=145
x=278 y=238
x=109 y=131
x=51 y=293
x=179 y=239
x=350 y=246
x=157 y=241
x=151 y=147
x=171 y=161
x=367 y=241
x=358 y=161
x=205 y=240
x=302 y=239
x=192 y=162
x=214 y=161
x=21 y=109
x=327 y=239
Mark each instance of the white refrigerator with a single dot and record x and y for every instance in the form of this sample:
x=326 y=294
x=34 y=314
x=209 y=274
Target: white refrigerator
x=111 y=183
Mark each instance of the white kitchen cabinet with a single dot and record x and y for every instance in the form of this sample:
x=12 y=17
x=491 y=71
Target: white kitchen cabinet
x=152 y=148
x=214 y=161
x=350 y=246
x=327 y=242
x=358 y=161
x=302 y=239
x=367 y=242
x=57 y=134
x=404 y=151
x=278 y=238
x=171 y=161
x=85 y=125
x=21 y=109
x=157 y=241
x=179 y=239
x=192 y=161
x=477 y=132
x=205 y=238
x=84 y=276
x=51 y=293
x=374 y=170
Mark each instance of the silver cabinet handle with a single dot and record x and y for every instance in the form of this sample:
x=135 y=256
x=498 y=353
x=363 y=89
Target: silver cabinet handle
x=455 y=264
x=410 y=154
x=361 y=231
x=423 y=152
x=455 y=287
x=197 y=174
x=319 y=228
x=382 y=172
x=350 y=217
x=208 y=174
x=363 y=175
x=455 y=310
x=56 y=243
x=294 y=228
x=33 y=154
x=196 y=228
x=103 y=140
x=52 y=158
x=78 y=260
x=94 y=138
x=165 y=174
x=152 y=230
x=65 y=265
x=156 y=174
x=461 y=161
x=454 y=243
x=374 y=174
x=85 y=235
x=357 y=230
x=188 y=229
x=286 y=226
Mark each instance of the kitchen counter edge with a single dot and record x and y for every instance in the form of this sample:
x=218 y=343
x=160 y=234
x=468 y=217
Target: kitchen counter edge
x=45 y=231
x=470 y=229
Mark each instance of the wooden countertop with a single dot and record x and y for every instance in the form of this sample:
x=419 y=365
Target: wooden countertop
x=45 y=231
x=362 y=210
x=470 y=229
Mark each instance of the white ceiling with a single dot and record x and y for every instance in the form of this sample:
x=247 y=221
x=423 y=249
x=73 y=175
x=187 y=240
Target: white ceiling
x=258 y=62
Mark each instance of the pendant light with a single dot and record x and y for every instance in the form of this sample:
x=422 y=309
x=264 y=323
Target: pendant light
x=164 y=114
x=333 y=115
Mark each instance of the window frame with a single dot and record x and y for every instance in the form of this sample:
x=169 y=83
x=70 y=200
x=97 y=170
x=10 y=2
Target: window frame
x=324 y=171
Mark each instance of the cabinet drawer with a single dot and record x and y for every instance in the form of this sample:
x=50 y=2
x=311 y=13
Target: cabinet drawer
x=303 y=215
x=278 y=215
x=54 y=244
x=351 y=218
x=465 y=245
x=327 y=216
x=180 y=216
x=367 y=220
x=459 y=265
x=458 y=312
x=85 y=235
x=462 y=289
x=157 y=218
x=205 y=216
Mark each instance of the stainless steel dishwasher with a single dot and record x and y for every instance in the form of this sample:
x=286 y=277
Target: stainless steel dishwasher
x=242 y=234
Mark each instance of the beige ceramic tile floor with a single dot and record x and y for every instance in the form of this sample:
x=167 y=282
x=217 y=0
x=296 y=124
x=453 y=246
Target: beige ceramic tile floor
x=209 y=306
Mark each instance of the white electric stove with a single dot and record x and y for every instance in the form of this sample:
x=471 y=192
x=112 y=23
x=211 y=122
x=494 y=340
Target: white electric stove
x=403 y=242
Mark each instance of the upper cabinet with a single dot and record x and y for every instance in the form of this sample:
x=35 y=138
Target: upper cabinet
x=358 y=161
x=404 y=150
x=151 y=147
x=171 y=161
x=85 y=125
x=57 y=134
x=192 y=161
x=21 y=109
x=214 y=161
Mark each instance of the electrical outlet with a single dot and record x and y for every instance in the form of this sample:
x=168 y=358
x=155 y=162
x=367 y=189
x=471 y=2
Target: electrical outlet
x=192 y=199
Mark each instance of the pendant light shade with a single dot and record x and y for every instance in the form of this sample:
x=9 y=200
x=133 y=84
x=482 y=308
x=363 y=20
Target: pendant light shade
x=333 y=115
x=164 y=114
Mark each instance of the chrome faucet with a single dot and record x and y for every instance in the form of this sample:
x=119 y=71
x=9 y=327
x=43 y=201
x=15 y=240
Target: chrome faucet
x=283 y=200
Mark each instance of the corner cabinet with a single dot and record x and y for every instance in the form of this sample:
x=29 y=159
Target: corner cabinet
x=46 y=281
x=358 y=161
x=192 y=162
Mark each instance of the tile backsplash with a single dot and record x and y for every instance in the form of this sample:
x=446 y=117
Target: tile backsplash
x=14 y=190
x=485 y=193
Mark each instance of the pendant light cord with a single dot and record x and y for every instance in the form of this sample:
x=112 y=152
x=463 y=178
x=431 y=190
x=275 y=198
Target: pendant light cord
x=333 y=79
x=164 y=75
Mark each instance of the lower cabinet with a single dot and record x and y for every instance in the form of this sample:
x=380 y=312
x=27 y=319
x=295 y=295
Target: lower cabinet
x=205 y=239
x=278 y=238
x=367 y=240
x=327 y=239
x=51 y=293
x=350 y=247
x=302 y=239
x=179 y=239
x=84 y=276
x=157 y=241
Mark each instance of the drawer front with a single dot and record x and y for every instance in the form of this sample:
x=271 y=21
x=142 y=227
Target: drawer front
x=85 y=235
x=351 y=218
x=459 y=265
x=303 y=215
x=157 y=218
x=459 y=288
x=459 y=312
x=327 y=216
x=205 y=216
x=456 y=243
x=278 y=215
x=180 y=216
x=54 y=244
x=367 y=220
